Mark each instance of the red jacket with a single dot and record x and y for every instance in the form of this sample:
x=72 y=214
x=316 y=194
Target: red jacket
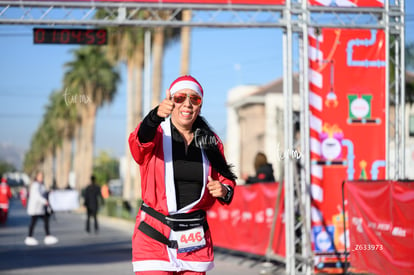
x=5 y=195
x=158 y=192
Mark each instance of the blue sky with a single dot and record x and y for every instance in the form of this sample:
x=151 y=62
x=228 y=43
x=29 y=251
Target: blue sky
x=31 y=72
x=220 y=59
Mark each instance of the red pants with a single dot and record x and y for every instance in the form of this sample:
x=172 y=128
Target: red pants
x=169 y=273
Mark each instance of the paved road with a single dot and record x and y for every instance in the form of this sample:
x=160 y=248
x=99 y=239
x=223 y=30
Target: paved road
x=105 y=253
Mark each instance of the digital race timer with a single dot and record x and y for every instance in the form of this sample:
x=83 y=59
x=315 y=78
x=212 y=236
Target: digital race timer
x=70 y=36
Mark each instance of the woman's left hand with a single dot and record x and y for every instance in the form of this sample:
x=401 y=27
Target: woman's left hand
x=216 y=189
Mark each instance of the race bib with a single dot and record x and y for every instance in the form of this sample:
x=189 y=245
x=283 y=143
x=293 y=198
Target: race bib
x=189 y=240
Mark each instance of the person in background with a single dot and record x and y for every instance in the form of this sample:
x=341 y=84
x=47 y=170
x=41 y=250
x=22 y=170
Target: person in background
x=93 y=198
x=105 y=191
x=264 y=170
x=5 y=196
x=183 y=173
x=37 y=208
x=23 y=196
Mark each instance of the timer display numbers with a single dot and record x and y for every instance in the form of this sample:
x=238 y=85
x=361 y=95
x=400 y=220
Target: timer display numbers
x=70 y=36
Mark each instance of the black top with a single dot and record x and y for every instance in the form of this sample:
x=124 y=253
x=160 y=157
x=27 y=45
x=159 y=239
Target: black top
x=188 y=170
x=188 y=167
x=93 y=197
x=264 y=174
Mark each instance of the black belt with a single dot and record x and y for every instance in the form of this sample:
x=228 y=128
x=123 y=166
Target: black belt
x=176 y=222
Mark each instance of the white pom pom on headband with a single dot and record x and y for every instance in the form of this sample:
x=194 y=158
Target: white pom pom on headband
x=186 y=82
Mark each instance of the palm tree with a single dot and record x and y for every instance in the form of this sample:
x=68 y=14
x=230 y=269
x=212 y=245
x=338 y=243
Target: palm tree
x=57 y=123
x=409 y=56
x=409 y=61
x=35 y=156
x=44 y=145
x=126 y=44
x=185 y=44
x=91 y=81
x=158 y=39
x=409 y=86
x=162 y=37
x=51 y=138
x=66 y=120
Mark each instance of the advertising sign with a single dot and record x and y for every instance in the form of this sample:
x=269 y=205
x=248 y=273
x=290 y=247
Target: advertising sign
x=347 y=124
x=223 y=2
x=64 y=200
x=347 y=3
x=381 y=226
x=245 y=224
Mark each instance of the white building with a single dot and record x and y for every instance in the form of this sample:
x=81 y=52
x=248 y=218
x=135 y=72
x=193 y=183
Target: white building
x=255 y=122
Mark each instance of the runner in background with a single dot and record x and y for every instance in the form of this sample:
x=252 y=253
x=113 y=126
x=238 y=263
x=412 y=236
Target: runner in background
x=5 y=196
x=23 y=196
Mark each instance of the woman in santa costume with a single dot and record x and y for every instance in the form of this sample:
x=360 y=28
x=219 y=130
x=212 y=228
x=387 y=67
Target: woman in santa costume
x=183 y=172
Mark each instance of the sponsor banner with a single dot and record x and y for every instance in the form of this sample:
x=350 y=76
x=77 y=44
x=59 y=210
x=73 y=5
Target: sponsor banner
x=347 y=124
x=64 y=200
x=223 y=2
x=381 y=226
x=245 y=224
x=347 y=3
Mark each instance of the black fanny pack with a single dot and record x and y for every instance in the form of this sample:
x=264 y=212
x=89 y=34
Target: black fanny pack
x=176 y=222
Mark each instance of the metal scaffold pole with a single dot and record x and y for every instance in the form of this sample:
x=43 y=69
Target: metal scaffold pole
x=305 y=147
x=288 y=143
x=400 y=67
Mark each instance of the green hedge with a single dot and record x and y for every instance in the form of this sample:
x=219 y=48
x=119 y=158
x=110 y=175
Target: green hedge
x=117 y=207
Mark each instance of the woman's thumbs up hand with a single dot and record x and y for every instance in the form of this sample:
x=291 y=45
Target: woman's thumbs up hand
x=166 y=106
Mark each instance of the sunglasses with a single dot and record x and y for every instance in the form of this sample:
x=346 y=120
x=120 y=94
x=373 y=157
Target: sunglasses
x=181 y=97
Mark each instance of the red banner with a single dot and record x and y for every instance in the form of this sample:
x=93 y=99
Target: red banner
x=381 y=225
x=347 y=123
x=223 y=2
x=246 y=223
x=348 y=3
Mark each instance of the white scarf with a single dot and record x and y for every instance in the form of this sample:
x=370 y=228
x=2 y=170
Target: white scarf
x=169 y=171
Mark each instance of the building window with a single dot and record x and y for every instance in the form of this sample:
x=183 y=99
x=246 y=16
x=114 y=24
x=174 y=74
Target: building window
x=411 y=126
